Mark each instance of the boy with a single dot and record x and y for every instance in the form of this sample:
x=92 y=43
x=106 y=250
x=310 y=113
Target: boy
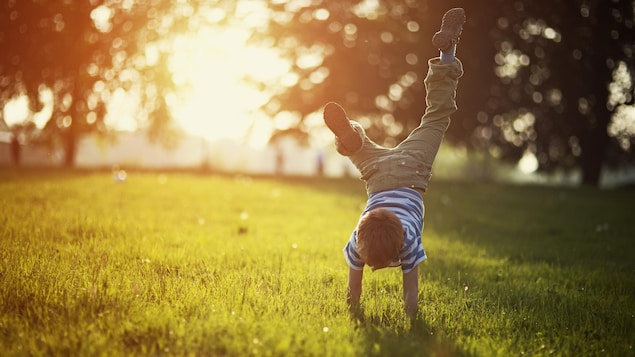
x=389 y=231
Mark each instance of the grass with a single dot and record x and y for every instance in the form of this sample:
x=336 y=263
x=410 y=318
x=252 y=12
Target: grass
x=203 y=265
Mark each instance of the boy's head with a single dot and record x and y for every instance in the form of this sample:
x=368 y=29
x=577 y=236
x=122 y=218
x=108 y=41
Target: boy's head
x=379 y=237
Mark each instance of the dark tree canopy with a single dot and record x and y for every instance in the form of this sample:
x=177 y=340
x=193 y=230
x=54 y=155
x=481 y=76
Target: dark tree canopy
x=568 y=53
x=537 y=73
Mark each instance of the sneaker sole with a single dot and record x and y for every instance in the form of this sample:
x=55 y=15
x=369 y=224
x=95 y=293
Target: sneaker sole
x=452 y=20
x=336 y=120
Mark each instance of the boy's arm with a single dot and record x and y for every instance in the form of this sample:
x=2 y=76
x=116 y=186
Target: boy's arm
x=354 y=289
x=411 y=291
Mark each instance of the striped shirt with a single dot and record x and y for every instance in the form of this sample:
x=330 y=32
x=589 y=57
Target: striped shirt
x=407 y=205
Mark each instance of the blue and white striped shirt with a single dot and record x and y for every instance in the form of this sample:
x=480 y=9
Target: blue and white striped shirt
x=407 y=205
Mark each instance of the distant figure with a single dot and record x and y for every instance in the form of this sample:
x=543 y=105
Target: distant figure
x=320 y=163
x=388 y=233
x=279 y=160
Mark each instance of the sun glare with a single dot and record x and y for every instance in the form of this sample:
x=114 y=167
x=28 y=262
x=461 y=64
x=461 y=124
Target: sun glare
x=215 y=101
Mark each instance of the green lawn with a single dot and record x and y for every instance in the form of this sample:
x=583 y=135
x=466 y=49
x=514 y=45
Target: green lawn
x=203 y=265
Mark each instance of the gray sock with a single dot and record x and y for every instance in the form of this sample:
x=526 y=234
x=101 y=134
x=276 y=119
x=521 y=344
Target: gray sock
x=447 y=56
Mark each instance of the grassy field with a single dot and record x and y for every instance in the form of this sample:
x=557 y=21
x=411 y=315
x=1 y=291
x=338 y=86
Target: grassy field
x=202 y=265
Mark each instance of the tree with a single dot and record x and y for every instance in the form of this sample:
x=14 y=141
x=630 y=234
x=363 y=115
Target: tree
x=558 y=97
x=536 y=79
x=81 y=51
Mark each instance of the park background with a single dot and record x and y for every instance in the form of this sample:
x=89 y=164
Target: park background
x=215 y=83
x=161 y=192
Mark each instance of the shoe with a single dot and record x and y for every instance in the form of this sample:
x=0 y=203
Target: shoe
x=336 y=120
x=451 y=28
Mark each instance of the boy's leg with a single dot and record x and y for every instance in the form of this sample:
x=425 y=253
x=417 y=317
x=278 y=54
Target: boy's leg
x=440 y=83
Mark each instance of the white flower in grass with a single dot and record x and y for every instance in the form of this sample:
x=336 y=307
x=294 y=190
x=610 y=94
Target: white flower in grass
x=120 y=176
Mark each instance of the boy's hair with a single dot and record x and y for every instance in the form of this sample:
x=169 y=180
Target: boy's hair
x=379 y=237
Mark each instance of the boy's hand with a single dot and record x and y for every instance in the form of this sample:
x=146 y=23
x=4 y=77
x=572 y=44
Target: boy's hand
x=354 y=289
x=411 y=292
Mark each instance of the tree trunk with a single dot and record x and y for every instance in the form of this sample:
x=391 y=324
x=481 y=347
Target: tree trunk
x=16 y=149
x=591 y=163
x=71 y=134
x=594 y=139
x=70 y=149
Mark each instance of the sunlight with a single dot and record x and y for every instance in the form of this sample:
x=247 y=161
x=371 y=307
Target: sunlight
x=622 y=125
x=211 y=69
x=17 y=111
x=528 y=163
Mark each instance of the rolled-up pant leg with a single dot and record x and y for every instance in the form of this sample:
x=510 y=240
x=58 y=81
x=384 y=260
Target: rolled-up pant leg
x=440 y=83
x=369 y=151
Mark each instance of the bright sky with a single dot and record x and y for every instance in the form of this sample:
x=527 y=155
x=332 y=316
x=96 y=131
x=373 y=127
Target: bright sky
x=217 y=102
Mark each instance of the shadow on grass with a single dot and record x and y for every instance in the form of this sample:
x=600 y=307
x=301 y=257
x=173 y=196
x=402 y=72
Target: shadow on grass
x=559 y=226
x=415 y=338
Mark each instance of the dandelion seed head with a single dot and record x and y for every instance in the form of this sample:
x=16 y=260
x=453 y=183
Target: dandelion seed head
x=294 y=246
x=120 y=176
x=244 y=216
x=325 y=329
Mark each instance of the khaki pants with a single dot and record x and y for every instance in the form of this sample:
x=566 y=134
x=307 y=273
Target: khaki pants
x=410 y=163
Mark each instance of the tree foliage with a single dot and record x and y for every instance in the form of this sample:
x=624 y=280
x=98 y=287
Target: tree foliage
x=550 y=78
x=81 y=52
x=536 y=78
x=562 y=96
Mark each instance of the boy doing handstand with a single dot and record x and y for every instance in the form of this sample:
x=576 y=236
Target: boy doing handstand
x=388 y=233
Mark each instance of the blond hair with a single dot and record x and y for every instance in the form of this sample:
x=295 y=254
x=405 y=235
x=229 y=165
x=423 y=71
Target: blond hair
x=379 y=237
